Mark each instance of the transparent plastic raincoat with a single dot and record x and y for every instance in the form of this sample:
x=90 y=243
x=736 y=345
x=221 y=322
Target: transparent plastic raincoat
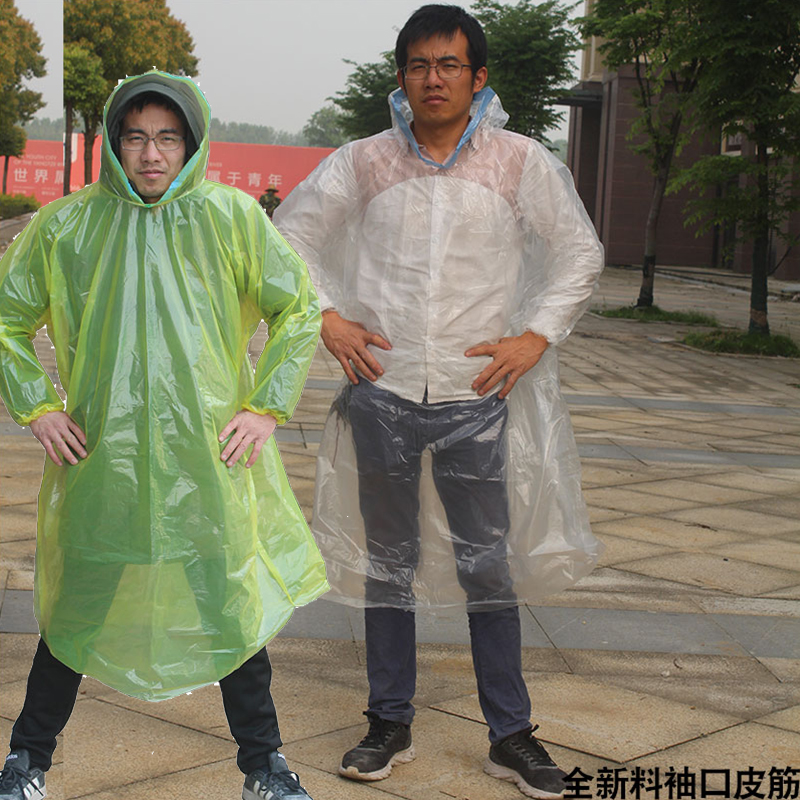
x=437 y=258
x=159 y=569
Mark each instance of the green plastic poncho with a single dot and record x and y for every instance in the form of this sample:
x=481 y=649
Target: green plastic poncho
x=159 y=569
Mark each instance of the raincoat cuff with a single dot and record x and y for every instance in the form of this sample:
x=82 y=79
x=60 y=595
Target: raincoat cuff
x=39 y=411
x=280 y=416
x=549 y=332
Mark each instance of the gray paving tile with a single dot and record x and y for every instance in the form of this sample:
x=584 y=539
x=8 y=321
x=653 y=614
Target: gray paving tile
x=677 y=405
x=319 y=620
x=289 y=435
x=603 y=451
x=16 y=613
x=12 y=429
x=324 y=619
x=767 y=637
x=603 y=629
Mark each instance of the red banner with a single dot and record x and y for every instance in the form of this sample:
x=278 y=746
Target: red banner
x=249 y=167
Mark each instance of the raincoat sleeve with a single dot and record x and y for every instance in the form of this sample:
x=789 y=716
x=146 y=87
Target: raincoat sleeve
x=24 y=308
x=563 y=255
x=274 y=278
x=312 y=219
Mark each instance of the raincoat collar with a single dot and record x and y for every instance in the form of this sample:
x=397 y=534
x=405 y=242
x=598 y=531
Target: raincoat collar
x=486 y=112
x=198 y=112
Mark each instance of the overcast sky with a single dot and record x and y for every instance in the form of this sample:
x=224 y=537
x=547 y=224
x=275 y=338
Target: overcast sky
x=269 y=62
x=46 y=17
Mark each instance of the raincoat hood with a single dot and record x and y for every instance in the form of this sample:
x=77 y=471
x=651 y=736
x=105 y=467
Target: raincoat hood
x=486 y=112
x=187 y=96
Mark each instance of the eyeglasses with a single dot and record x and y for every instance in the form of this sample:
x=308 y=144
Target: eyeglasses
x=447 y=70
x=164 y=141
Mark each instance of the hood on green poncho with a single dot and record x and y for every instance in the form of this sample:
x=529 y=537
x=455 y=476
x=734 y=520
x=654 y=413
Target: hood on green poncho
x=185 y=94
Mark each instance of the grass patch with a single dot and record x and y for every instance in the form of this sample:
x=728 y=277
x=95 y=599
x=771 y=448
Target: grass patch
x=656 y=314
x=741 y=342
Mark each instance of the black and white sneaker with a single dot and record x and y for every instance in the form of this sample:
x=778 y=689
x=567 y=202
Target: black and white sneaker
x=19 y=780
x=521 y=759
x=387 y=743
x=275 y=782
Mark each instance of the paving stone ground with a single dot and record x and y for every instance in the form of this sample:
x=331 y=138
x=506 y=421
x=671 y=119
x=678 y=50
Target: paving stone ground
x=681 y=650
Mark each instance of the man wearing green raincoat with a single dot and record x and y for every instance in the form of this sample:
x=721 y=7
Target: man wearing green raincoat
x=164 y=560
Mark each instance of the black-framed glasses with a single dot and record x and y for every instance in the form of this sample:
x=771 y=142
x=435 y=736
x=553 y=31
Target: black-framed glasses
x=447 y=70
x=138 y=141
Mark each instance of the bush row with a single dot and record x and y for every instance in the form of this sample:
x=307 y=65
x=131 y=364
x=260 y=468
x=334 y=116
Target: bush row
x=12 y=205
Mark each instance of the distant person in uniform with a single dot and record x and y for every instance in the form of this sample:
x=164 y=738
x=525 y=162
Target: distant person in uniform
x=269 y=200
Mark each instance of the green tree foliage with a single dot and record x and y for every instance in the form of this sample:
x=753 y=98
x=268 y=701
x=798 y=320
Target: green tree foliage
x=530 y=49
x=20 y=60
x=364 y=101
x=12 y=145
x=247 y=133
x=21 y=54
x=656 y=38
x=129 y=37
x=324 y=128
x=749 y=87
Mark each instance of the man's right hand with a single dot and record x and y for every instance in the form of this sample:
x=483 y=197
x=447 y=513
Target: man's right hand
x=59 y=433
x=347 y=341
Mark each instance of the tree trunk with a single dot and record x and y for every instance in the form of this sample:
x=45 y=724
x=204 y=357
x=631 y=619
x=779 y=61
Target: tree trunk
x=88 y=151
x=5 y=176
x=67 y=148
x=651 y=239
x=759 y=323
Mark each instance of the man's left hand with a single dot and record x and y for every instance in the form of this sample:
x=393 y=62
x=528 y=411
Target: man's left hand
x=248 y=428
x=512 y=357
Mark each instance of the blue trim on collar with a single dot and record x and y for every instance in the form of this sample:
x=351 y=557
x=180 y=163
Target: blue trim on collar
x=480 y=102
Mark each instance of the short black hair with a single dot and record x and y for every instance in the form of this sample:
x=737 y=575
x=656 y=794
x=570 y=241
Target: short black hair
x=445 y=20
x=138 y=102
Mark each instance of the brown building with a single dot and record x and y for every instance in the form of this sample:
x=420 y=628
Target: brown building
x=616 y=184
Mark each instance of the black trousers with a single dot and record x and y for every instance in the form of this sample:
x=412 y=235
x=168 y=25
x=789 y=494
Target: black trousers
x=53 y=688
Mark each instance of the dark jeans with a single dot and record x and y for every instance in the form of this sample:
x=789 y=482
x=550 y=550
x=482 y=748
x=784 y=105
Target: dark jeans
x=467 y=443
x=53 y=687
x=496 y=657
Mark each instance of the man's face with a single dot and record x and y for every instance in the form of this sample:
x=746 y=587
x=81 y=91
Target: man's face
x=437 y=102
x=151 y=170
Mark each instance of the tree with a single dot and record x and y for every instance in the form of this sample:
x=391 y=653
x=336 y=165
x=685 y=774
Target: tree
x=324 y=128
x=530 y=49
x=129 y=37
x=21 y=54
x=364 y=101
x=85 y=89
x=12 y=144
x=654 y=37
x=248 y=133
x=20 y=60
x=749 y=88
x=45 y=128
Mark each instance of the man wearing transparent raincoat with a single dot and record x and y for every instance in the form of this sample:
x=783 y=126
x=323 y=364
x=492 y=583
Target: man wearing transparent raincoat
x=449 y=256
x=170 y=548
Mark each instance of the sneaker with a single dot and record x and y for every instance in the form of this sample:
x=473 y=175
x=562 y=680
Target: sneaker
x=274 y=782
x=19 y=780
x=386 y=743
x=521 y=759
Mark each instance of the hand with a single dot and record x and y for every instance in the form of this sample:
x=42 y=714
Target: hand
x=250 y=429
x=347 y=341
x=59 y=433
x=512 y=357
